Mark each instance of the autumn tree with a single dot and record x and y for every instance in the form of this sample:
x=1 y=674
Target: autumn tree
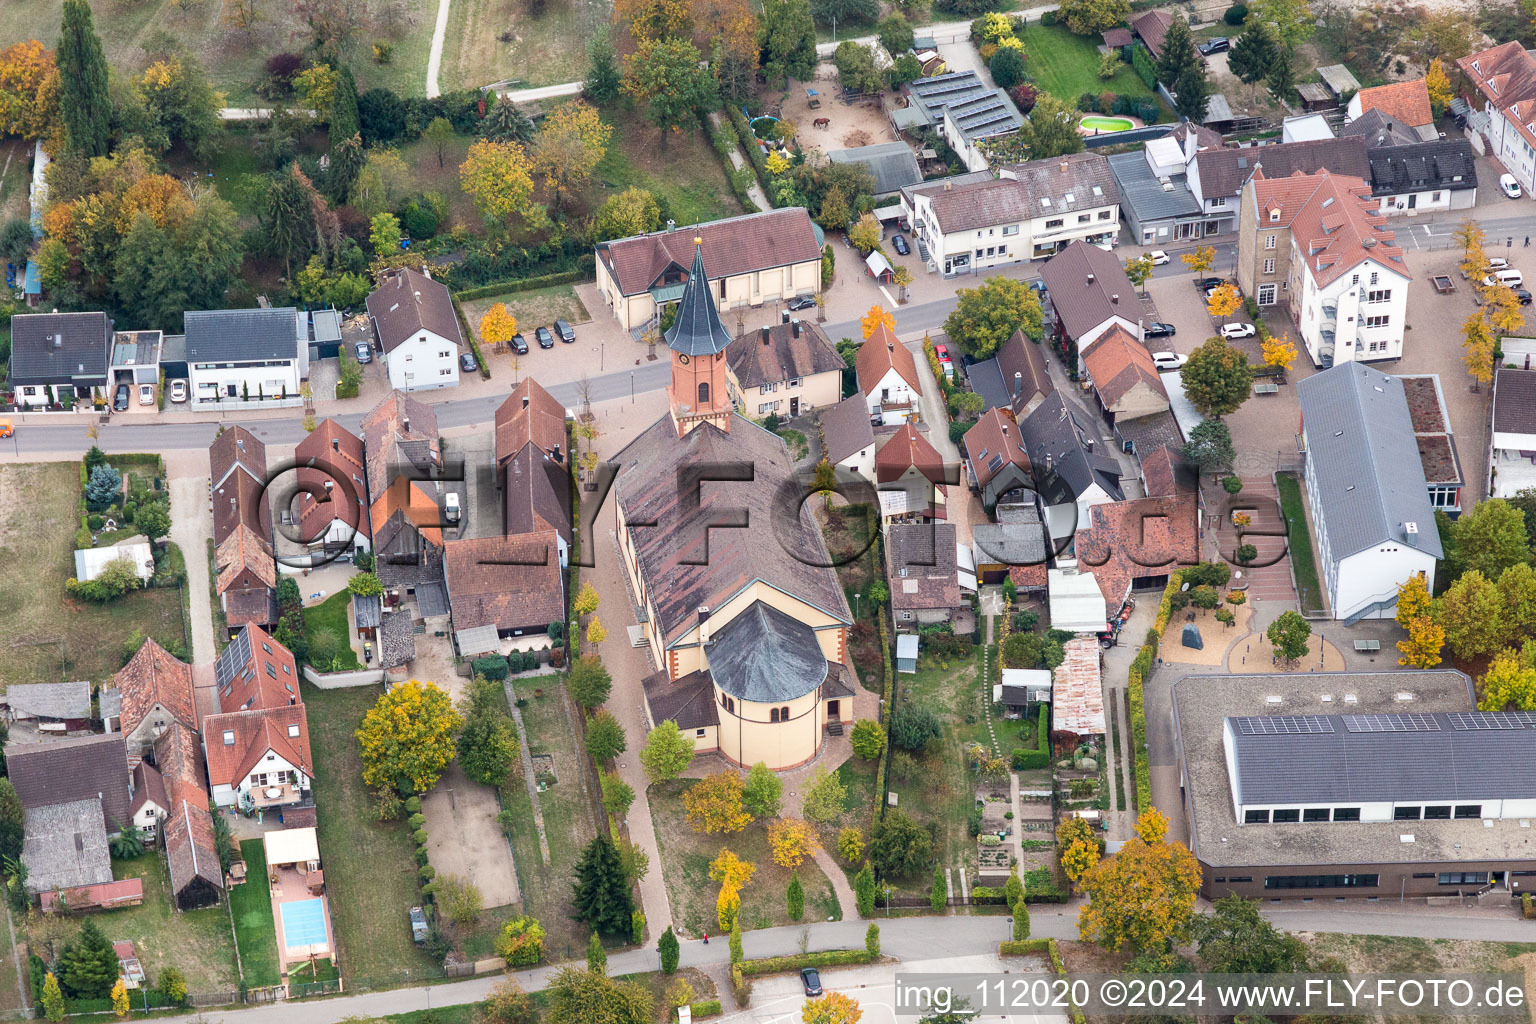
x=1422 y=647
x=654 y=19
x=987 y=316
x=1279 y=350
x=1217 y=378
x=1478 y=344
x=663 y=76
x=1139 y=270
x=1509 y=684
x=1474 y=260
x=596 y=632
x=1471 y=613
x=734 y=27
x=714 y=804
x=733 y=874
x=1079 y=847
x=831 y=1008
x=667 y=752
x=631 y=212
x=384 y=234
x=1413 y=600
x=1144 y=896
x=29 y=90
x=1199 y=260
x=1517 y=592
x=498 y=177
x=864 y=234
x=407 y=737
x=570 y=143
x=1439 y=85
x=791 y=842
x=1224 y=301
x=876 y=317
x=497 y=325
x=1091 y=17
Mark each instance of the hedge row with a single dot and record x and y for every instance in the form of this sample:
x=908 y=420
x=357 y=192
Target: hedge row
x=573 y=626
x=1034 y=947
x=474 y=340
x=887 y=692
x=706 y=1008
x=754 y=151
x=793 y=962
x=523 y=284
x=1140 y=667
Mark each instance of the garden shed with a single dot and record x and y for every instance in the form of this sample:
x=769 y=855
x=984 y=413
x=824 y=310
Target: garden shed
x=906 y=652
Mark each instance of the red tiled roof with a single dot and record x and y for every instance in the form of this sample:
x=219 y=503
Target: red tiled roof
x=1129 y=540
x=507 y=582
x=1506 y=76
x=996 y=433
x=331 y=455
x=123 y=892
x=907 y=448
x=1152 y=27
x=250 y=735
x=881 y=353
x=153 y=677
x=244 y=552
x=530 y=415
x=737 y=245
x=1406 y=102
x=270 y=679
x=1117 y=363
x=1338 y=227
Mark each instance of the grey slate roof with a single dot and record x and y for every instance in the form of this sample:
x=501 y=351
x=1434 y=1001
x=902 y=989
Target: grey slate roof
x=1010 y=543
x=65 y=846
x=242 y=335
x=1361 y=449
x=1379 y=129
x=50 y=700
x=1448 y=164
x=69 y=770
x=892 y=163
x=1514 y=401
x=59 y=347
x=764 y=655
x=1059 y=456
x=1088 y=286
x=1433 y=757
x=697 y=331
x=846 y=429
x=1224 y=172
x=689 y=701
x=368 y=611
x=1142 y=192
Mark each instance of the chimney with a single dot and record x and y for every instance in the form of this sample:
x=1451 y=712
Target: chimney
x=58 y=341
x=1005 y=430
x=1411 y=533
x=764 y=332
x=240 y=444
x=671 y=225
x=703 y=624
x=525 y=401
x=795 y=326
x=329 y=484
x=1048 y=461
x=558 y=456
x=1114 y=300
x=946 y=186
x=1064 y=167
x=1090 y=279
x=1018 y=383
x=783 y=316
x=405 y=424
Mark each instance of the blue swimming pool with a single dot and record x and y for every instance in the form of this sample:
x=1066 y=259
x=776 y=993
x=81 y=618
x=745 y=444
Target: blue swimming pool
x=304 y=924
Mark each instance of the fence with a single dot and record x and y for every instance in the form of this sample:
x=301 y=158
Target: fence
x=344 y=680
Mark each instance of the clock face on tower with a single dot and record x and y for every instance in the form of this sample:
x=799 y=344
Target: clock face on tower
x=682 y=357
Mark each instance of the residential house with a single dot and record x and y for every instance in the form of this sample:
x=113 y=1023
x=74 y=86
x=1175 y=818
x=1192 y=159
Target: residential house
x=1379 y=130
x=1217 y=177
x=255 y=672
x=1125 y=381
x=502 y=588
x=925 y=581
x=759 y=257
x=55 y=707
x=197 y=880
x=1437 y=444
x=1030 y=211
x=246 y=580
x=1512 y=458
x=259 y=758
x=1438 y=175
x=995 y=459
x=1016 y=378
x=417 y=330
x=246 y=354
x=1090 y=294
x=1073 y=472
x=534 y=477
x=1310 y=127
x=1014 y=546
x=892 y=164
x=1505 y=76
x=1136 y=544
x=1365 y=485
x=912 y=479
x=404 y=466
x=151 y=801
x=135 y=360
x=848 y=439
x=785 y=369
x=1021 y=690
x=91 y=768
x=748 y=642
x=1406 y=103
x=156 y=690
x=1155 y=197
x=963 y=109
x=332 y=497
x=887 y=376
x=59 y=357
x=237 y=463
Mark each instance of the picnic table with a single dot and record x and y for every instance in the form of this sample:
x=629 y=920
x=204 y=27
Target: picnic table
x=1366 y=646
x=1265 y=387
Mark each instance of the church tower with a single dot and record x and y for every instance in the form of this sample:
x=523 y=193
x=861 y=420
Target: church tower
x=698 y=341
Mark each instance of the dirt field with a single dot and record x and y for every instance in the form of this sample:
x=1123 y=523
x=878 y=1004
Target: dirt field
x=465 y=839
x=858 y=124
x=501 y=40
x=541 y=307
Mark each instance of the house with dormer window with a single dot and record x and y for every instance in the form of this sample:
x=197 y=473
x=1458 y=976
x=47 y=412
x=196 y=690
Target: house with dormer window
x=1505 y=76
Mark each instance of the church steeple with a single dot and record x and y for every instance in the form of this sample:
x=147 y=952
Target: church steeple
x=698 y=341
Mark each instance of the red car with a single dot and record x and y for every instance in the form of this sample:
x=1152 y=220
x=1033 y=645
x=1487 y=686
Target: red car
x=945 y=362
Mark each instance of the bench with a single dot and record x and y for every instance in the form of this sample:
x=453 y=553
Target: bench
x=1367 y=646
x=1266 y=387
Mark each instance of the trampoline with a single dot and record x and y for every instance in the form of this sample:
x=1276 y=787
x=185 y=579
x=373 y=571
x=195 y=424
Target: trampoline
x=304 y=925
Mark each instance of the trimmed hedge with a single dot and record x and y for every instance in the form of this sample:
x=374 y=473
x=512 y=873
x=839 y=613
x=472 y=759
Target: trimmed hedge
x=888 y=692
x=525 y=284
x=707 y=1008
x=1034 y=947
x=1140 y=667
x=827 y=958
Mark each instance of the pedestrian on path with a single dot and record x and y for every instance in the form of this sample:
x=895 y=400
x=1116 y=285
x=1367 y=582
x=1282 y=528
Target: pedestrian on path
x=706 y=938
x=1527 y=241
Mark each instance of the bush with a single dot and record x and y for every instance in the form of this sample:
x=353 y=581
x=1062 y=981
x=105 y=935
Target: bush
x=412 y=804
x=493 y=667
x=420 y=836
x=795 y=961
x=1088 y=102
x=1048 y=19
x=1025 y=759
x=1246 y=553
x=706 y=1008
x=1232 y=485
x=418 y=820
x=1236 y=14
x=427 y=872
x=1007 y=66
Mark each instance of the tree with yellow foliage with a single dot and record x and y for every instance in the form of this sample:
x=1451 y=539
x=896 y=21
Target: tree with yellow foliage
x=407 y=737
x=571 y=142
x=1478 y=342
x=120 y=1000
x=1144 y=896
x=1413 y=600
x=1474 y=261
x=1439 y=85
x=714 y=804
x=654 y=19
x=831 y=1008
x=791 y=841
x=877 y=316
x=586 y=600
x=1422 y=648
x=864 y=235
x=596 y=632
x=1502 y=308
x=1509 y=684
x=901 y=277
x=1224 y=301
x=498 y=176
x=1079 y=848
x=497 y=325
x=776 y=162
x=733 y=874
x=29 y=90
x=1279 y=351
x=1200 y=260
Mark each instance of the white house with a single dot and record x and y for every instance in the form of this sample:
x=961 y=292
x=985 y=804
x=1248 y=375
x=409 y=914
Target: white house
x=887 y=376
x=417 y=330
x=1506 y=78
x=1030 y=211
x=849 y=438
x=1370 y=502
x=259 y=757
x=151 y=804
x=255 y=355
x=1090 y=295
x=1512 y=462
x=1424 y=176
x=963 y=109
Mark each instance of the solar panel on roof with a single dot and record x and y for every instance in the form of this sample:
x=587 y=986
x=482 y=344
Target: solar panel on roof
x=1391 y=723
x=235 y=659
x=1469 y=721
x=1283 y=725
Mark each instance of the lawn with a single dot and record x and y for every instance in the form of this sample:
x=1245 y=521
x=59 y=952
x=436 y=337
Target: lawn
x=11 y=995
x=531 y=309
x=49 y=637
x=255 y=930
x=198 y=942
x=1299 y=541
x=684 y=175
x=331 y=615
x=1067 y=65
x=570 y=819
x=370 y=867
x=503 y=40
x=686 y=855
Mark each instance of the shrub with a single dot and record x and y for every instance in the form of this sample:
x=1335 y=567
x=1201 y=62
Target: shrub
x=1236 y=14
x=418 y=820
x=1007 y=66
x=1232 y=485
x=1246 y=553
x=1025 y=759
x=412 y=804
x=795 y=961
x=1088 y=103
x=427 y=872
x=706 y=1008
x=1024 y=96
x=420 y=835
x=1048 y=19
x=493 y=667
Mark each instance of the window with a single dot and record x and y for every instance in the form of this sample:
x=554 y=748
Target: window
x=1437 y=812
x=794 y=382
x=773 y=715
x=1465 y=811
x=1463 y=877
x=265 y=647
x=1435 y=197
x=1346 y=814
x=1010 y=229
x=1241 y=878
x=293 y=731
x=1256 y=817
x=270 y=670
x=1104 y=214
x=1379 y=295
x=1354 y=279
x=1083 y=218
x=784 y=713
x=1286 y=817
x=1423 y=874
x=1270 y=240
x=1321 y=881
x=979 y=253
x=1269 y=266
x=703 y=393
x=1053 y=223
x=445 y=373
x=1444 y=497
x=1377 y=321
x=699 y=732
x=444 y=355
x=1406 y=813
x=1218 y=202
x=1374 y=277
x=1315 y=814
x=1274 y=218
x=229 y=737
x=1267 y=295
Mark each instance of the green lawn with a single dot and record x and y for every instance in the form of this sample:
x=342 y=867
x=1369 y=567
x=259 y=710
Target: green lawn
x=255 y=930
x=1299 y=541
x=370 y=867
x=501 y=40
x=330 y=615
x=685 y=174
x=1067 y=65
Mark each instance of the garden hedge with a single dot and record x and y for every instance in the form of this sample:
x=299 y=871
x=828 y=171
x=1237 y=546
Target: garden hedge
x=793 y=962
x=525 y=284
x=707 y=1008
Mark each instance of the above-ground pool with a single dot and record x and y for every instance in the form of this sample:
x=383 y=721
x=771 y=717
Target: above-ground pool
x=1098 y=122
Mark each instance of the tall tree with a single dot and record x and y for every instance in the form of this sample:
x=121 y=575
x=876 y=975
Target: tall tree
x=1471 y=612
x=439 y=135
x=1192 y=93
x=347 y=163
x=29 y=90
x=570 y=144
x=1234 y=939
x=1144 y=896
x=1282 y=73
x=987 y=316
x=631 y=212
x=762 y=792
x=488 y=745
x=601 y=892
x=789 y=39
x=498 y=176
x=601 y=85
x=1179 y=53
x=1509 y=684
x=1217 y=378
x=345 y=122
x=1289 y=634
x=1490 y=538
x=11 y=816
x=663 y=74
x=506 y=122
x=579 y=996
x=1051 y=129
x=84 y=103
x=88 y=966
x=1254 y=53
x=407 y=737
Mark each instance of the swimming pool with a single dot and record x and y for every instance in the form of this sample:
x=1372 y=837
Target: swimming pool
x=304 y=925
x=1098 y=122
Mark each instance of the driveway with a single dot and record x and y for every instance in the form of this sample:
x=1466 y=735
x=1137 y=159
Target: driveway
x=191 y=529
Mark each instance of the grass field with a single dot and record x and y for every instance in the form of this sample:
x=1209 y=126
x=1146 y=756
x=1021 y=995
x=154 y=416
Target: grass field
x=235 y=59
x=196 y=941
x=49 y=637
x=370 y=870
x=255 y=930
x=1067 y=65
x=331 y=615
x=685 y=175
x=531 y=309
x=503 y=40
x=686 y=855
x=1303 y=564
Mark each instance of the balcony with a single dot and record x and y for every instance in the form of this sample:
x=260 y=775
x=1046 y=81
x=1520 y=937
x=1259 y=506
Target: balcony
x=284 y=795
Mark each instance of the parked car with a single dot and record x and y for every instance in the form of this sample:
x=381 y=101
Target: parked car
x=1509 y=186
x=1238 y=330
x=519 y=344
x=1158 y=329
x=1524 y=296
x=800 y=302
x=1208 y=284
x=1215 y=44
x=146 y=394
x=120 y=400
x=1497 y=263
x=364 y=352
x=901 y=246
x=178 y=390
x=947 y=364
x=810 y=980
x=1508 y=278
x=1160 y=258
x=1038 y=285
x=1168 y=360
x=545 y=339
x=7 y=428
x=467 y=362
x=566 y=331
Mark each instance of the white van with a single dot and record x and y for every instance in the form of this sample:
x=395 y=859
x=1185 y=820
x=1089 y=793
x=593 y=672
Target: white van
x=1508 y=278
